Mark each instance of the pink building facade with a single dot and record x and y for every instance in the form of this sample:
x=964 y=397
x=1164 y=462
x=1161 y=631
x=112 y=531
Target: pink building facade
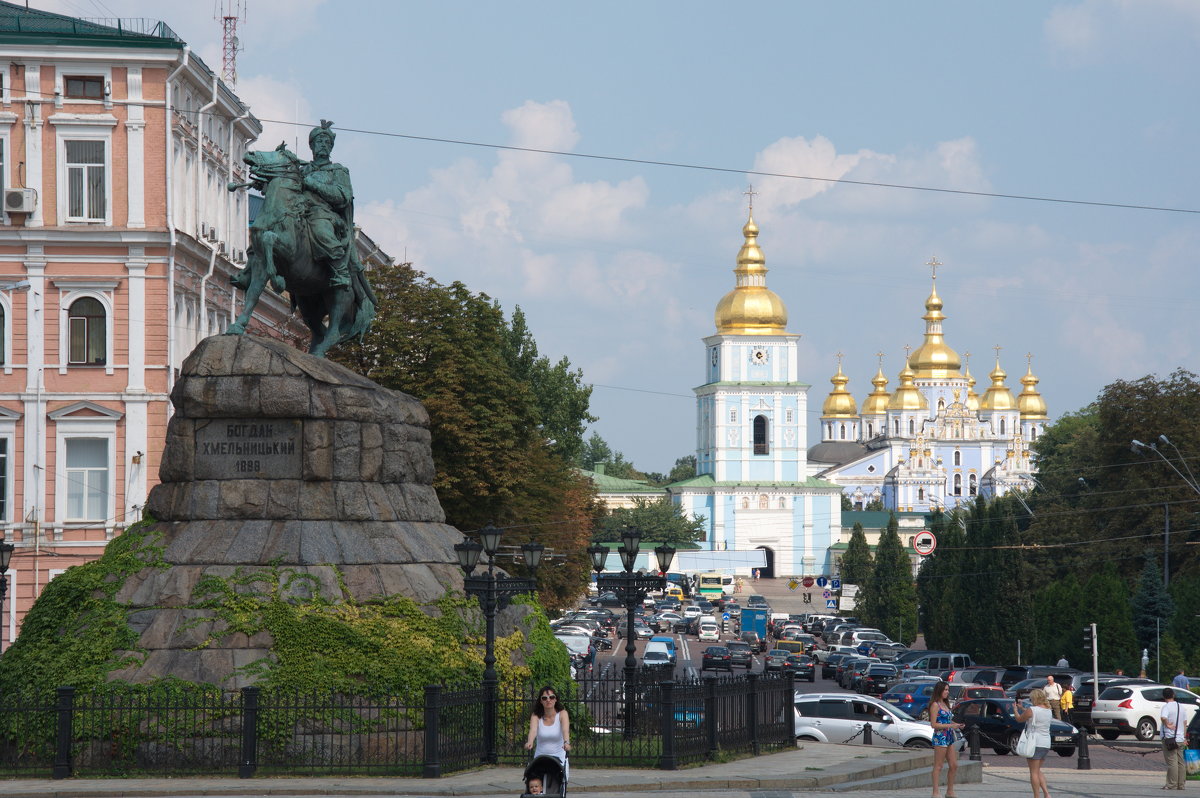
x=117 y=242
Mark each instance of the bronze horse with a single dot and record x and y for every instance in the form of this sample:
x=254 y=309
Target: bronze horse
x=281 y=254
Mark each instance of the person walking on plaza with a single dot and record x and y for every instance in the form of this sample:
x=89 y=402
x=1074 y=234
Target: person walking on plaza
x=1062 y=662
x=1067 y=703
x=1054 y=693
x=942 y=721
x=1036 y=718
x=1180 y=680
x=1174 y=737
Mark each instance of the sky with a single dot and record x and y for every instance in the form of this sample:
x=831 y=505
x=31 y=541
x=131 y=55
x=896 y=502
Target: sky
x=619 y=264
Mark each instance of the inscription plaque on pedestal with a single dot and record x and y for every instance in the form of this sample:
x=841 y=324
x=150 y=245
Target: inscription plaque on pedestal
x=245 y=448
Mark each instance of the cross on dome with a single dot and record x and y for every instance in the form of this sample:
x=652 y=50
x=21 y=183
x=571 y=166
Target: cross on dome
x=933 y=264
x=751 y=193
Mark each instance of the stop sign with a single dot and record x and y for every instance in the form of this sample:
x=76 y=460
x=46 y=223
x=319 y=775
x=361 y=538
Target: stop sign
x=807 y=581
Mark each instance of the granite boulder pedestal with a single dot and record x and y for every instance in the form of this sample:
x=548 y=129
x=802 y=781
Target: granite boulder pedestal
x=277 y=457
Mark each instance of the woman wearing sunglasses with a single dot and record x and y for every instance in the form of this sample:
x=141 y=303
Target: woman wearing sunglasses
x=549 y=727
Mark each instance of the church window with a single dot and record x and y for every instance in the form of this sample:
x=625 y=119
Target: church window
x=764 y=502
x=829 y=430
x=842 y=431
x=733 y=415
x=896 y=426
x=870 y=430
x=941 y=404
x=912 y=426
x=957 y=457
x=957 y=484
x=920 y=494
x=789 y=416
x=1033 y=432
x=1002 y=430
x=973 y=486
x=760 y=435
x=782 y=503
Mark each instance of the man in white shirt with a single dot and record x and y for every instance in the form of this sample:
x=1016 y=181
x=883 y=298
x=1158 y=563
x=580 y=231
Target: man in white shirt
x=1054 y=696
x=1174 y=734
x=1062 y=662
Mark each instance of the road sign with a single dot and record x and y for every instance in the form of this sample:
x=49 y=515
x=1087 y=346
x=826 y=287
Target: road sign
x=835 y=584
x=793 y=584
x=807 y=581
x=831 y=604
x=924 y=543
x=822 y=581
x=808 y=598
x=725 y=617
x=827 y=594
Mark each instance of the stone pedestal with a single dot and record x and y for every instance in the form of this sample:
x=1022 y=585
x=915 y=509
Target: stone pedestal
x=277 y=457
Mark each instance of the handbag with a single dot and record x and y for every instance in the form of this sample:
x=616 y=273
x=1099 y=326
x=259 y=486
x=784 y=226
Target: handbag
x=1170 y=743
x=1026 y=745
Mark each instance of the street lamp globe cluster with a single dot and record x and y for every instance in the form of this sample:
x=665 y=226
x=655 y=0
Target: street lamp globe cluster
x=493 y=592
x=631 y=588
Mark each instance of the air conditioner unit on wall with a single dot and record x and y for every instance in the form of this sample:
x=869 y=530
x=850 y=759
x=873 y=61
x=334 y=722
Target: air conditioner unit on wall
x=212 y=234
x=19 y=200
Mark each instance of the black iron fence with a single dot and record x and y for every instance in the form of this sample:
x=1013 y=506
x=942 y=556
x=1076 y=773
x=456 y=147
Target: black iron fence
x=180 y=730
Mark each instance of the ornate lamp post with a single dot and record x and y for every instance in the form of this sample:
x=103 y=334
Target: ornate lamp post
x=632 y=588
x=6 y=550
x=493 y=593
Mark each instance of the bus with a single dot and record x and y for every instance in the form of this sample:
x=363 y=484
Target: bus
x=710 y=585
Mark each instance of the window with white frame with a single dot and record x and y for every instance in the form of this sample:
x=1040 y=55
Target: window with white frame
x=87 y=183
x=87 y=479
x=87 y=330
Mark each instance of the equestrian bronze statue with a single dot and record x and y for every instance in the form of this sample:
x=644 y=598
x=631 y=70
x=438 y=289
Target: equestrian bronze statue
x=302 y=241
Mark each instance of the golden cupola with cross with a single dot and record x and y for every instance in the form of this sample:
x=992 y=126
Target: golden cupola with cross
x=934 y=359
x=751 y=308
x=1030 y=402
x=840 y=403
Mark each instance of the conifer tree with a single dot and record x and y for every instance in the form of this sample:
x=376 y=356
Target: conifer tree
x=857 y=563
x=937 y=583
x=1108 y=608
x=889 y=597
x=1151 y=606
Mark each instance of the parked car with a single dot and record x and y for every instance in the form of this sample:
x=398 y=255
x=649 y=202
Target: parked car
x=963 y=692
x=741 y=652
x=640 y=628
x=854 y=671
x=910 y=697
x=830 y=663
x=608 y=599
x=979 y=674
x=665 y=621
x=935 y=662
x=801 y=666
x=875 y=677
x=1135 y=709
x=839 y=718
x=1085 y=697
x=1016 y=673
x=717 y=658
x=999 y=728
x=775 y=659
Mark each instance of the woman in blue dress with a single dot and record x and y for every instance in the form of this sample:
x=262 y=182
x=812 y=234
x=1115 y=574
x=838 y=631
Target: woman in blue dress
x=944 y=728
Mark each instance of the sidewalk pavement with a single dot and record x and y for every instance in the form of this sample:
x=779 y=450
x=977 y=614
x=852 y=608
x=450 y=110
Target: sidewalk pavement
x=812 y=769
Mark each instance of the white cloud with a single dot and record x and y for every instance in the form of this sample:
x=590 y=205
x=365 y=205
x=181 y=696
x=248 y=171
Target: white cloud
x=272 y=99
x=1095 y=30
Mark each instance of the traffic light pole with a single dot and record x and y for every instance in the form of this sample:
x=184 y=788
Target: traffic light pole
x=1089 y=636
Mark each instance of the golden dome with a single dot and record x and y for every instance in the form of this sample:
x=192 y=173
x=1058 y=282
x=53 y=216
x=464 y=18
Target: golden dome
x=839 y=403
x=998 y=397
x=751 y=308
x=933 y=359
x=907 y=397
x=1030 y=402
x=876 y=403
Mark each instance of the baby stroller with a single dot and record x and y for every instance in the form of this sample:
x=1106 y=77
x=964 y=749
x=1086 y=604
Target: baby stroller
x=551 y=771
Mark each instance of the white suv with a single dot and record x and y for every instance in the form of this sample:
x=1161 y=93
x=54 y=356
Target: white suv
x=1135 y=709
x=840 y=718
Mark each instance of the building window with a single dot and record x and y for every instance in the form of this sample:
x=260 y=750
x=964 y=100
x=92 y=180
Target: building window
x=941 y=404
x=782 y=503
x=86 y=195
x=912 y=427
x=789 y=416
x=1033 y=432
x=760 y=435
x=920 y=494
x=972 y=485
x=957 y=484
x=87 y=479
x=1002 y=426
x=870 y=430
x=86 y=324
x=733 y=415
x=842 y=431
x=83 y=87
x=764 y=503
x=957 y=457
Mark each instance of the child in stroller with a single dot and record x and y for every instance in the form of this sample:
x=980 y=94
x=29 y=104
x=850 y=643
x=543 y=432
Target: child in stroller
x=545 y=776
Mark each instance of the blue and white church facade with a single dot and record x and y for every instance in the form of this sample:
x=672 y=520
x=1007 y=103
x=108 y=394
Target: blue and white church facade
x=754 y=485
x=933 y=443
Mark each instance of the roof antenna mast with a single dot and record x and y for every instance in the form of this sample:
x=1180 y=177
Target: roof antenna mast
x=229 y=12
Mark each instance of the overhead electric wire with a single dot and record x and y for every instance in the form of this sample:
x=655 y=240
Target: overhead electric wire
x=750 y=172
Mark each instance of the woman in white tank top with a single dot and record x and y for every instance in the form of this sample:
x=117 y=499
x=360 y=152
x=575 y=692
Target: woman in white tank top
x=549 y=727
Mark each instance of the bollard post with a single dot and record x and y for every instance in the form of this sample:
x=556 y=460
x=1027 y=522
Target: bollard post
x=249 y=758
x=432 y=768
x=62 y=755
x=973 y=744
x=667 y=760
x=1083 y=759
x=867 y=734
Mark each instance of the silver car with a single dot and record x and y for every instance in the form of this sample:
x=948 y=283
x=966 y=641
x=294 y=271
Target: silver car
x=841 y=718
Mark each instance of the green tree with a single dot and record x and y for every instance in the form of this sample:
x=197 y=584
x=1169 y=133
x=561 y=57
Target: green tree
x=660 y=520
x=888 y=600
x=937 y=582
x=857 y=564
x=1108 y=608
x=596 y=451
x=1151 y=606
x=1185 y=625
x=453 y=350
x=1059 y=616
x=684 y=468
